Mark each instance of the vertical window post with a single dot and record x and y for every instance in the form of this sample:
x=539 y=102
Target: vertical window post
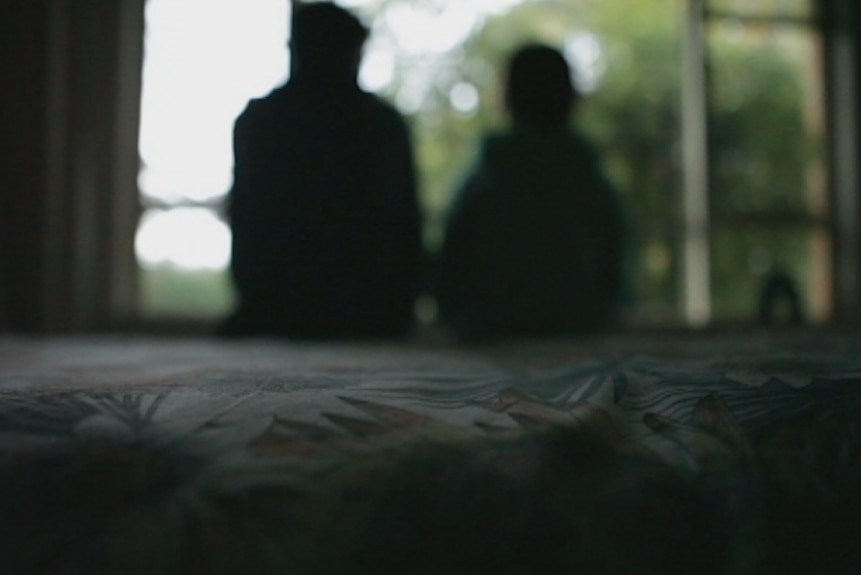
x=696 y=258
x=843 y=90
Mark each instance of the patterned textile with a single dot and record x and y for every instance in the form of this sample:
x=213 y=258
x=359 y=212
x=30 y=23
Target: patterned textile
x=778 y=412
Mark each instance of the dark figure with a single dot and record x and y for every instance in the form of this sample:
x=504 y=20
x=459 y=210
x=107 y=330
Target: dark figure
x=534 y=239
x=780 y=301
x=326 y=226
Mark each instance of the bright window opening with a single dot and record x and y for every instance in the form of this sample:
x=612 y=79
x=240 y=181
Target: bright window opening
x=203 y=60
x=438 y=61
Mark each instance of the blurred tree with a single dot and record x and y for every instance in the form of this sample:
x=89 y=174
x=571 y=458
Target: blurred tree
x=627 y=60
x=763 y=148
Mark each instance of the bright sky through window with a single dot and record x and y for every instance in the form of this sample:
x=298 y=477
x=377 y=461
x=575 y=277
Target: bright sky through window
x=205 y=58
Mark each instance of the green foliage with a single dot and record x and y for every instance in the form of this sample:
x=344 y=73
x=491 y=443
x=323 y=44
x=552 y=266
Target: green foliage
x=760 y=145
x=763 y=153
x=759 y=136
x=178 y=293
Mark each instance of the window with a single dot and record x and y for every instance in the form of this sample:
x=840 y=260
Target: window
x=203 y=61
x=709 y=112
x=768 y=192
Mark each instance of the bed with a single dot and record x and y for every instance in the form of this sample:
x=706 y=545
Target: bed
x=627 y=453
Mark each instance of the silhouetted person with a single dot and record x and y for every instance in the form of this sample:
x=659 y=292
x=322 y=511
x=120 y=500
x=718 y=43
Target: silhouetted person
x=534 y=237
x=326 y=226
x=780 y=301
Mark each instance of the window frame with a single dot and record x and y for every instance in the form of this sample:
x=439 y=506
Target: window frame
x=839 y=225
x=839 y=61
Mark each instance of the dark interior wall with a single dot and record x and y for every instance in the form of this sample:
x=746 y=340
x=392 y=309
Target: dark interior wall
x=854 y=26
x=854 y=29
x=23 y=28
x=843 y=50
x=70 y=102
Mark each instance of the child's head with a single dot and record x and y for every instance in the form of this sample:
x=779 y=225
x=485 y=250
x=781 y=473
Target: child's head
x=538 y=86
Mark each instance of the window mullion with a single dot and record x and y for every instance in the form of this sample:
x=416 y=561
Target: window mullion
x=696 y=255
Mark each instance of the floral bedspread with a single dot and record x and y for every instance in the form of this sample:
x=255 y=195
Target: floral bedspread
x=781 y=411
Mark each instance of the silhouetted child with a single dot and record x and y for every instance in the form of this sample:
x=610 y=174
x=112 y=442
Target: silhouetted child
x=325 y=220
x=534 y=238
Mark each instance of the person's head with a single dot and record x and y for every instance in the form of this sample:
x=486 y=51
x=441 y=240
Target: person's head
x=327 y=41
x=539 y=87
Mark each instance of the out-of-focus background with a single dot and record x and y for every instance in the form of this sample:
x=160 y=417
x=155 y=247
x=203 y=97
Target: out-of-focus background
x=730 y=127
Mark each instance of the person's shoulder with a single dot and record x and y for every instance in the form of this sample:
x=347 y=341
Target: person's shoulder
x=265 y=105
x=498 y=139
x=581 y=143
x=492 y=157
x=380 y=108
